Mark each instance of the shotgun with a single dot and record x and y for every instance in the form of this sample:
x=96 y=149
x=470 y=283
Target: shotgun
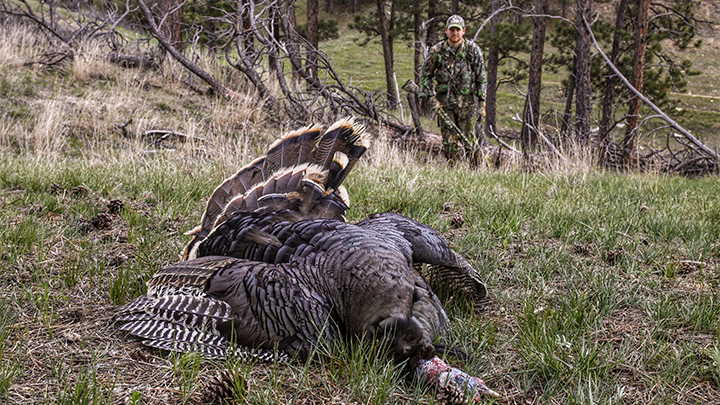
x=437 y=107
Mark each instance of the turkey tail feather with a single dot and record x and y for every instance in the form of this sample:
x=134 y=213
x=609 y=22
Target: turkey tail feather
x=305 y=166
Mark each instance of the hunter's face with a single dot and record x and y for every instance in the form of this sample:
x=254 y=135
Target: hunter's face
x=455 y=35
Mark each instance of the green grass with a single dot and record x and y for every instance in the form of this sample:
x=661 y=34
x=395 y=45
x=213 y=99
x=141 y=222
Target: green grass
x=592 y=276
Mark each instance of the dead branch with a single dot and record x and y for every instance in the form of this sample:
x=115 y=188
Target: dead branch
x=160 y=135
x=48 y=27
x=218 y=87
x=147 y=61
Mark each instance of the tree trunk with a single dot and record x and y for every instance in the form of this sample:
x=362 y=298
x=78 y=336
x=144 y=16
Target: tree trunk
x=455 y=6
x=418 y=56
x=171 y=18
x=492 y=70
x=531 y=117
x=630 y=141
x=387 y=55
x=567 y=121
x=582 y=73
x=391 y=27
x=312 y=37
x=330 y=6
x=432 y=28
x=609 y=94
x=431 y=38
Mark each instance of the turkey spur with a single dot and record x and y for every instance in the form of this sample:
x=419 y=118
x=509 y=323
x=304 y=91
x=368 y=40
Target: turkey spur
x=274 y=269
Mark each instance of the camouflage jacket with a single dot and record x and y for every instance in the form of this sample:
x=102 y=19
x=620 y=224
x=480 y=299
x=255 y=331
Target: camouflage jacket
x=458 y=73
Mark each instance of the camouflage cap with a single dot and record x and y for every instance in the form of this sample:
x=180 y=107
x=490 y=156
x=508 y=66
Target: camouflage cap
x=455 y=21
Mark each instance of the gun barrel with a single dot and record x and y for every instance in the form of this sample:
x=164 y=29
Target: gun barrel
x=412 y=87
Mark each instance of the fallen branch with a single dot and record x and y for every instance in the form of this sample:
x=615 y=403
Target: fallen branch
x=502 y=143
x=218 y=87
x=162 y=134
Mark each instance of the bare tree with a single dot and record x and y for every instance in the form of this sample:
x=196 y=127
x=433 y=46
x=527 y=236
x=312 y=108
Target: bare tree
x=695 y=151
x=289 y=27
x=217 y=86
x=245 y=25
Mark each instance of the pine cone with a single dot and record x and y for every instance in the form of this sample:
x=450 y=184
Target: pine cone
x=453 y=394
x=115 y=206
x=102 y=221
x=457 y=221
x=223 y=387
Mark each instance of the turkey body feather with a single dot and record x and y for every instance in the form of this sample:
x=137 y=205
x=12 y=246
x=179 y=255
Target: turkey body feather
x=274 y=269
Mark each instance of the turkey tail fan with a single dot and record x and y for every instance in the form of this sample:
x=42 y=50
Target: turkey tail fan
x=295 y=148
x=302 y=171
x=292 y=149
x=288 y=189
x=185 y=278
x=179 y=337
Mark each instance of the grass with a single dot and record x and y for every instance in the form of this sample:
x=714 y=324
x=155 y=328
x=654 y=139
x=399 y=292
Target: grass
x=603 y=286
x=593 y=296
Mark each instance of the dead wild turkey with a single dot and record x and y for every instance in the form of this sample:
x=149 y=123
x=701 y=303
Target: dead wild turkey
x=274 y=268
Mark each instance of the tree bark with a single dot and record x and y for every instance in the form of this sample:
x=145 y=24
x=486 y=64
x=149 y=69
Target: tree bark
x=567 y=122
x=630 y=141
x=582 y=73
x=415 y=115
x=432 y=27
x=312 y=37
x=171 y=18
x=492 y=73
x=387 y=55
x=531 y=116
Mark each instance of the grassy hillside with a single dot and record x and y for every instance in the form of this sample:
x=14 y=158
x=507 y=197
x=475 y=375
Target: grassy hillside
x=603 y=287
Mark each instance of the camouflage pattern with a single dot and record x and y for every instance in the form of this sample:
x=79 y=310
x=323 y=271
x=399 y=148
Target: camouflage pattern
x=455 y=147
x=457 y=78
x=455 y=21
